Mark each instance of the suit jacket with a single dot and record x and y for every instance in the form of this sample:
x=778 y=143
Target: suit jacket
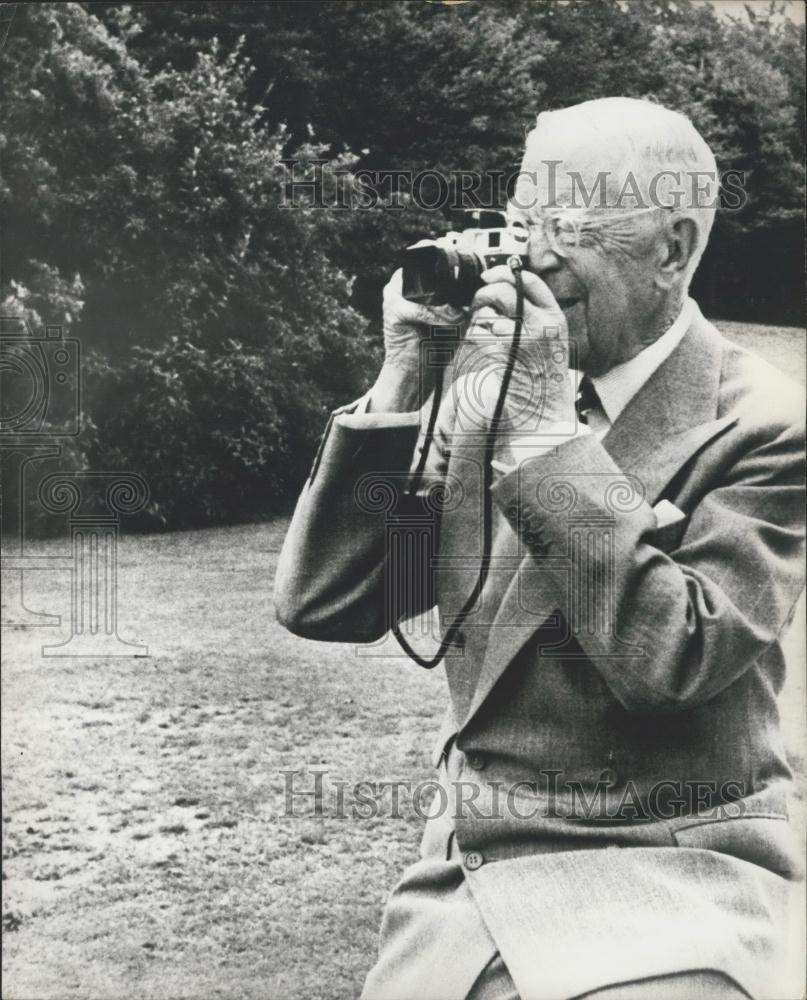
x=616 y=679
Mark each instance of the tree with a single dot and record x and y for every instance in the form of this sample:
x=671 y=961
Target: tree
x=157 y=201
x=412 y=85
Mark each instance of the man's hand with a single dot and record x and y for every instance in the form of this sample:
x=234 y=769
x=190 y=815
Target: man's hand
x=405 y=381
x=541 y=395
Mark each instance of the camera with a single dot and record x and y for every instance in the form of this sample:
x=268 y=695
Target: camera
x=447 y=271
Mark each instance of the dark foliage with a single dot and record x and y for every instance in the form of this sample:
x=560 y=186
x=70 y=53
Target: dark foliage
x=142 y=195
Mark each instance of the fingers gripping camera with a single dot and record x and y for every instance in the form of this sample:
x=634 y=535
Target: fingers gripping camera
x=448 y=271
x=455 y=271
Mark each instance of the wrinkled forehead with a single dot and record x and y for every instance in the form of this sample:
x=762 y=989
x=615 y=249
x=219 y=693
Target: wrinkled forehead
x=564 y=159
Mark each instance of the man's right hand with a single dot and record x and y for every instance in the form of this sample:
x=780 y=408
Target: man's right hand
x=401 y=385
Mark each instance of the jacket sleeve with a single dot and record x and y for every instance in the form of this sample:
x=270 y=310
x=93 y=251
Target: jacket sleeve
x=666 y=631
x=340 y=577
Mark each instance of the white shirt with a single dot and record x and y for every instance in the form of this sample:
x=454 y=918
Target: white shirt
x=617 y=387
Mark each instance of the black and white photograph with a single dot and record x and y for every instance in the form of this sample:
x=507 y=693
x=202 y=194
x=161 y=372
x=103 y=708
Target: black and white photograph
x=402 y=424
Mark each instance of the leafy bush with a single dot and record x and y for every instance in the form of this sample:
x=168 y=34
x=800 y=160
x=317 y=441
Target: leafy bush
x=455 y=86
x=142 y=188
x=221 y=330
x=217 y=434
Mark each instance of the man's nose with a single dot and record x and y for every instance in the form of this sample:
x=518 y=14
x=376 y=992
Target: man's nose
x=541 y=255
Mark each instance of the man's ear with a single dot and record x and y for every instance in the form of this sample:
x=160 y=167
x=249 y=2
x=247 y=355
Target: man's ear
x=680 y=243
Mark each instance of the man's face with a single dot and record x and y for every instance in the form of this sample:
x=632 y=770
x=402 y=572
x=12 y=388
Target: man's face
x=606 y=284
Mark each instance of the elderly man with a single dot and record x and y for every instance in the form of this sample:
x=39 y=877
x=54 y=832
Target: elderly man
x=612 y=771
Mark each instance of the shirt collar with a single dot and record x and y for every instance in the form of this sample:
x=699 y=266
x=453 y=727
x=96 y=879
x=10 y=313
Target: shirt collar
x=618 y=386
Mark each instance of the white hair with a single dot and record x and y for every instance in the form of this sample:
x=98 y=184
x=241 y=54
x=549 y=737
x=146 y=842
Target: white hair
x=651 y=143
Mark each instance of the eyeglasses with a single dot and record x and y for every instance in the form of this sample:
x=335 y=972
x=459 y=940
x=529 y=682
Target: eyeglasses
x=562 y=230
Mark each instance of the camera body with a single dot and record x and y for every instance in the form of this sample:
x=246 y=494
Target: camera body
x=447 y=271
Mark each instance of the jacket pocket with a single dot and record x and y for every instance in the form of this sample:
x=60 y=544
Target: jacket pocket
x=764 y=839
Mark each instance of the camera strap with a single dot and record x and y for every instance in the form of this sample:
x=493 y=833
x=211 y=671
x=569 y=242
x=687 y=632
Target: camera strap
x=487 y=481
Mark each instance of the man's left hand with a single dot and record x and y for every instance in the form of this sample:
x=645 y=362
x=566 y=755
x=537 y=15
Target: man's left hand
x=541 y=393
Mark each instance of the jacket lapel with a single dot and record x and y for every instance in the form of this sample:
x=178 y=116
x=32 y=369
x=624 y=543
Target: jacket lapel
x=671 y=417
x=673 y=413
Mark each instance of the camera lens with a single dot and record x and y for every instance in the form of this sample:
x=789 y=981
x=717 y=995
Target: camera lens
x=439 y=276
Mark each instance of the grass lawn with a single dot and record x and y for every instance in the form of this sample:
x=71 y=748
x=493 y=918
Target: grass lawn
x=783 y=346
x=147 y=850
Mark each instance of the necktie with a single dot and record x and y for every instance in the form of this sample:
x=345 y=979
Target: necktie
x=587 y=399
